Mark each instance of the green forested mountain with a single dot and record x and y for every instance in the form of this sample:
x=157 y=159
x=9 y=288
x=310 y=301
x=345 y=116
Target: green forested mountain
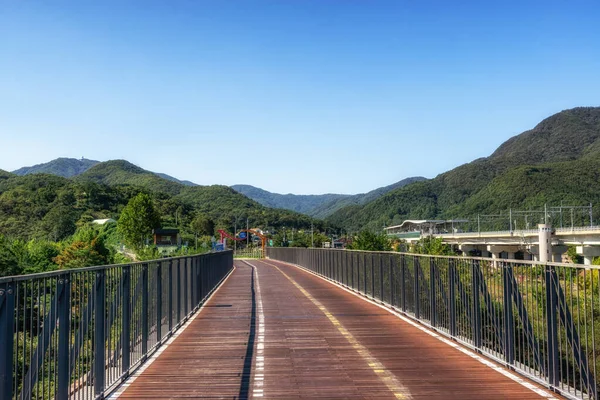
x=170 y=178
x=65 y=167
x=328 y=208
x=4 y=174
x=558 y=160
x=318 y=206
x=296 y=202
x=51 y=207
x=70 y=167
x=121 y=172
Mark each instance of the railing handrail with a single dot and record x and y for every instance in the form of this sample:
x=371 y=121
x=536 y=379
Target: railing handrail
x=499 y=261
x=58 y=272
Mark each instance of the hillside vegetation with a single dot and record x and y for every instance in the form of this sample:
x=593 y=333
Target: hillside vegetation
x=295 y=202
x=556 y=161
x=317 y=206
x=50 y=207
x=328 y=208
x=65 y=167
x=4 y=174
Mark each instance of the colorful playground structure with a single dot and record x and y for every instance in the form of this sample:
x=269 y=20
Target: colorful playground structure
x=224 y=234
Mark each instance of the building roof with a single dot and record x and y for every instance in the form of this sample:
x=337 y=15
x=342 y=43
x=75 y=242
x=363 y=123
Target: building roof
x=103 y=221
x=429 y=222
x=165 y=231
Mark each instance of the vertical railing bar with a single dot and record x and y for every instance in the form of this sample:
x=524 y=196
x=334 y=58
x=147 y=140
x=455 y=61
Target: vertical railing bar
x=432 y=299
x=99 y=334
x=159 y=302
x=64 y=304
x=126 y=319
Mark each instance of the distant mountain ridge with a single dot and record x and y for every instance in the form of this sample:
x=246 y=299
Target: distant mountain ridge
x=317 y=206
x=295 y=202
x=558 y=160
x=363 y=198
x=70 y=167
x=41 y=205
x=65 y=167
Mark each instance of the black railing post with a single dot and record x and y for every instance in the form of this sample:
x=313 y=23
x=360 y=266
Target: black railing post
x=509 y=336
x=64 y=330
x=476 y=310
x=552 y=325
x=194 y=282
x=381 y=297
x=364 y=262
x=178 y=279
x=392 y=283
x=352 y=265
x=452 y=295
x=99 y=333
x=203 y=290
x=417 y=294
x=432 y=300
x=186 y=270
x=403 y=282
x=126 y=324
x=170 y=299
x=144 y=310
x=159 y=301
x=372 y=275
x=7 y=328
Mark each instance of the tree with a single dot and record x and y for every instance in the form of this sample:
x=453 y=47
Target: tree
x=81 y=254
x=59 y=222
x=202 y=226
x=367 y=240
x=137 y=220
x=9 y=262
x=432 y=246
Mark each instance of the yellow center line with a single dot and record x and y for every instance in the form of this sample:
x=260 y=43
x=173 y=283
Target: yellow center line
x=389 y=379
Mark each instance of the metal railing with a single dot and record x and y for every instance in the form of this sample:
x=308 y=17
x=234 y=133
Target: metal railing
x=537 y=319
x=77 y=334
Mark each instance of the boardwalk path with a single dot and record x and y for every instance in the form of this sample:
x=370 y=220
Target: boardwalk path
x=278 y=332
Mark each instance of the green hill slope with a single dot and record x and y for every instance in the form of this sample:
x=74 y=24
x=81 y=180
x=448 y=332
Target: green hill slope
x=4 y=174
x=557 y=160
x=121 y=172
x=65 y=167
x=317 y=206
x=295 y=202
x=327 y=209
x=50 y=207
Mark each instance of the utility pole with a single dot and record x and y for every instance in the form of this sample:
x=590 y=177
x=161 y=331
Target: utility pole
x=247 y=236
x=571 y=219
x=312 y=235
x=561 y=216
x=510 y=219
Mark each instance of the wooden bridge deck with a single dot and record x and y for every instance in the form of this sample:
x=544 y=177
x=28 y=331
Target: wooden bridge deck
x=275 y=331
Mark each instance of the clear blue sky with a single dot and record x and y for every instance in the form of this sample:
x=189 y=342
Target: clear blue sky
x=323 y=95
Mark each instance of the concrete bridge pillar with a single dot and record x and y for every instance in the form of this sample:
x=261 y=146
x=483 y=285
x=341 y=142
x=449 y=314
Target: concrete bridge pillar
x=508 y=251
x=545 y=242
x=558 y=251
x=466 y=248
x=588 y=253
